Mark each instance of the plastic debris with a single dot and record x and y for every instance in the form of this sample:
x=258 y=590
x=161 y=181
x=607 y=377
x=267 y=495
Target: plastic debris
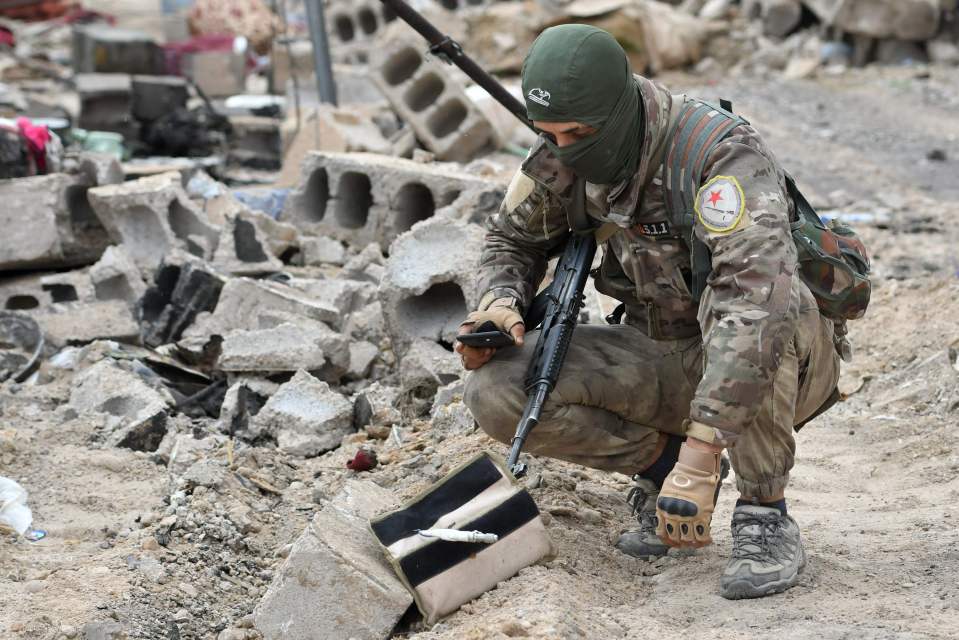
x=14 y=512
x=364 y=460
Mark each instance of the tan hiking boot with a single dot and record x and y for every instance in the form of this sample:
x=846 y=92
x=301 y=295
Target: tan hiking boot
x=767 y=554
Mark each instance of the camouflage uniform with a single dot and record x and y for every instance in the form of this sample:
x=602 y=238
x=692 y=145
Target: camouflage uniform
x=750 y=360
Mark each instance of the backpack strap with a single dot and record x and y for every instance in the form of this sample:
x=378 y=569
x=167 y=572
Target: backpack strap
x=700 y=127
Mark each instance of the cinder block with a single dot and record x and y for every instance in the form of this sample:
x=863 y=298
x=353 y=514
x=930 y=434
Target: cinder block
x=361 y=197
x=48 y=223
x=152 y=216
x=116 y=277
x=256 y=142
x=337 y=567
x=428 y=298
x=103 y=49
x=353 y=26
x=428 y=98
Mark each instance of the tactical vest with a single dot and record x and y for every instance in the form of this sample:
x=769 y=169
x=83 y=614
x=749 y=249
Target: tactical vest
x=833 y=262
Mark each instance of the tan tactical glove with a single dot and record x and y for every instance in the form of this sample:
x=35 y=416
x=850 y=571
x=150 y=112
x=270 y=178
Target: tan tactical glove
x=685 y=505
x=504 y=313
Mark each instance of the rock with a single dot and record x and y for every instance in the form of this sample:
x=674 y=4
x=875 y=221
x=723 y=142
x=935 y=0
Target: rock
x=322 y=250
x=429 y=298
x=424 y=368
x=362 y=356
x=49 y=223
x=942 y=51
x=285 y=347
x=83 y=322
x=187 y=450
x=306 y=416
x=243 y=400
x=449 y=415
x=336 y=566
x=136 y=412
x=116 y=277
x=900 y=52
x=104 y=630
x=779 y=17
x=335 y=346
x=153 y=215
x=376 y=405
x=901 y=19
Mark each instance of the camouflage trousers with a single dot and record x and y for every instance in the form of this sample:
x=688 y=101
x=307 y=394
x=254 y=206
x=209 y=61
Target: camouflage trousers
x=619 y=389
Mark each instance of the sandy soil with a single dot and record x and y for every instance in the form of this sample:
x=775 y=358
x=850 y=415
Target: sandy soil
x=875 y=487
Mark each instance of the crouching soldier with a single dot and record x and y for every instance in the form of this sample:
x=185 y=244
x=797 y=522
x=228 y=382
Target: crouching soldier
x=722 y=345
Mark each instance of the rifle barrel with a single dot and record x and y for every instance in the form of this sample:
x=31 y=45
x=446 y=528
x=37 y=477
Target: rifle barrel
x=454 y=53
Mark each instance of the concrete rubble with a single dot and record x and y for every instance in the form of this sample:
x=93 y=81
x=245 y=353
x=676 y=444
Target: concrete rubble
x=337 y=566
x=239 y=287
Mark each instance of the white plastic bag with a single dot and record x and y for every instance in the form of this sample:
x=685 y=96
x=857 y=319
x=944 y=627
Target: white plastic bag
x=14 y=511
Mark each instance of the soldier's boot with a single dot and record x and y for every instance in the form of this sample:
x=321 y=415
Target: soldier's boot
x=767 y=554
x=643 y=542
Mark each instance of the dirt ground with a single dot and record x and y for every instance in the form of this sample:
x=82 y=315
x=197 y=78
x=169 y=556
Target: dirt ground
x=875 y=489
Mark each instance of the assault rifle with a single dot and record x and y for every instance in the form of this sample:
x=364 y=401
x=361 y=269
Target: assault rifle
x=555 y=310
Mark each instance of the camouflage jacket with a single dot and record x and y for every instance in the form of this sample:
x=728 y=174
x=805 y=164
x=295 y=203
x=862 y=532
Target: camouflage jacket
x=750 y=309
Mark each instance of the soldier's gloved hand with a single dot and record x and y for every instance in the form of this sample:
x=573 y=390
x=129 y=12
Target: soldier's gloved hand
x=504 y=313
x=685 y=505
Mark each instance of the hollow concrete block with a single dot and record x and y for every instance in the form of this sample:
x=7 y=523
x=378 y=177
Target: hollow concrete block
x=428 y=298
x=48 y=223
x=153 y=215
x=354 y=26
x=428 y=98
x=363 y=197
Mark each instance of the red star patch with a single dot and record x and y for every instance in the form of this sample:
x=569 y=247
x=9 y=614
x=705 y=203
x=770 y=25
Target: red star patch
x=715 y=196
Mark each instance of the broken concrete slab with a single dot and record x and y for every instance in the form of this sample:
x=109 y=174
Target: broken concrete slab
x=362 y=356
x=426 y=95
x=75 y=323
x=424 y=368
x=183 y=288
x=49 y=223
x=152 y=216
x=337 y=566
x=286 y=347
x=306 y=416
x=243 y=400
x=340 y=293
x=335 y=346
x=366 y=323
x=449 y=415
x=136 y=411
x=243 y=249
x=429 y=298
x=243 y=300
x=116 y=277
x=361 y=197
x=322 y=251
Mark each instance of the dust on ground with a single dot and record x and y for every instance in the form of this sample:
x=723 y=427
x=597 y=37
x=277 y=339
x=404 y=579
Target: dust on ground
x=875 y=489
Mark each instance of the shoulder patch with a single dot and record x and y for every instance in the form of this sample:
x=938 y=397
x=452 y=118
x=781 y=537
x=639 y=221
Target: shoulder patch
x=520 y=188
x=720 y=204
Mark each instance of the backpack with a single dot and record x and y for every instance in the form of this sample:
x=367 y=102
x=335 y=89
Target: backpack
x=833 y=261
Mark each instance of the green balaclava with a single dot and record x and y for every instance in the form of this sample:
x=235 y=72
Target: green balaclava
x=579 y=73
